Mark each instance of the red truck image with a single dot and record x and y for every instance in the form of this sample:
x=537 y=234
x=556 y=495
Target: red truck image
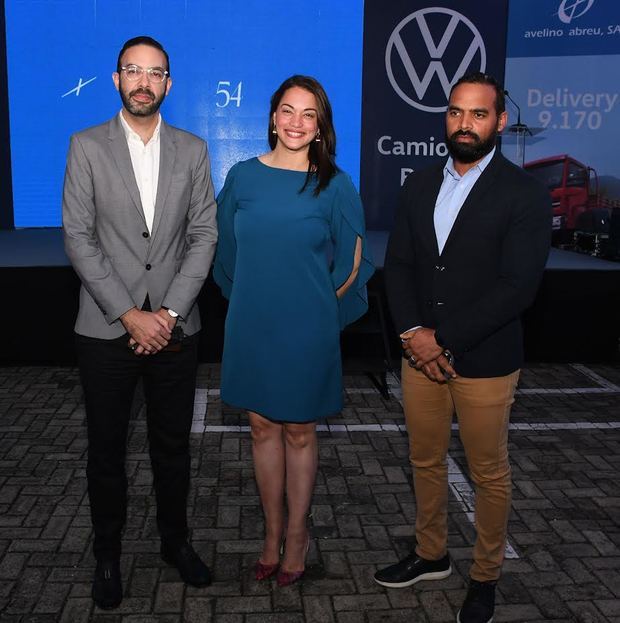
x=575 y=197
x=583 y=220
x=574 y=192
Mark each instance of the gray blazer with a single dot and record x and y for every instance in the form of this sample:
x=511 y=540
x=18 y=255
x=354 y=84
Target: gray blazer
x=106 y=237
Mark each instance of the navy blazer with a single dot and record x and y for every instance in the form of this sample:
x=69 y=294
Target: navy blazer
x=487 y=274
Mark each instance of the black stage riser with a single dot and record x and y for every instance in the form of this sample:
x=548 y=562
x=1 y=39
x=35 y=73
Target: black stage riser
x=574 y=318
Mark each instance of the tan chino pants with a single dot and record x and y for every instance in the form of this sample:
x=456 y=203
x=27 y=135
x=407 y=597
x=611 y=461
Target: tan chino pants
x=482 y=406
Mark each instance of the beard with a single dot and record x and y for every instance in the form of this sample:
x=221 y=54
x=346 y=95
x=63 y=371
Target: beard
x=470 y=152
x=140 y=109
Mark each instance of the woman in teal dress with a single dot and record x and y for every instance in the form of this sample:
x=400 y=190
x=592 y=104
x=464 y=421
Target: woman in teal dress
x=292 y=259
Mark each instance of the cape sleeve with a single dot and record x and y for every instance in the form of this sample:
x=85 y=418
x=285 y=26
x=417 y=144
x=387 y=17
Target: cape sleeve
x=224 y=264
x=347 y=224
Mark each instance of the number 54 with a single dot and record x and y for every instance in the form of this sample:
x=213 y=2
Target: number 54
x=223 y=88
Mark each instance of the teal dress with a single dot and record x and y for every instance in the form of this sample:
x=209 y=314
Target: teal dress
x=281 y=256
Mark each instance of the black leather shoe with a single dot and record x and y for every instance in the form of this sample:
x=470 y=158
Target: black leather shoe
x=107 y=590
x=413 y=569
x=479 y=603
x=192 y=570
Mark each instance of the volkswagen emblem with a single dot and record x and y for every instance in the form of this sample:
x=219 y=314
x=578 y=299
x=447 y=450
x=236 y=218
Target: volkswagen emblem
x=428 y=51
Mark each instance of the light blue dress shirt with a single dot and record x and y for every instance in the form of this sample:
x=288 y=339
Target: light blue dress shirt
x=452 y=195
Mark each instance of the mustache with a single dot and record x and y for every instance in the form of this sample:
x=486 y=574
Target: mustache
x=465 y=133
x=142 y=91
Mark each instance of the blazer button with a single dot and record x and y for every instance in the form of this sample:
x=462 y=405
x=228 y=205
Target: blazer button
x=440 y=268
x=145 y=234
x=148 y=267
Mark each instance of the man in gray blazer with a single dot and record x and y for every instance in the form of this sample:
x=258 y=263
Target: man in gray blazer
x=139 y=228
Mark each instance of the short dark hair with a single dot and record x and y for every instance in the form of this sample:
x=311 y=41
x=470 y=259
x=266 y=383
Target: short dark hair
x=142 y=40
x=322 y=154
x=477 y=77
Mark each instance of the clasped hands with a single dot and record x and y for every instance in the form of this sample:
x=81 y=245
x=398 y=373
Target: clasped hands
x=149 y=332
x=426 y=355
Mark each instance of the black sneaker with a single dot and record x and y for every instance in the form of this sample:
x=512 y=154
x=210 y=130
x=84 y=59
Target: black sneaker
x=479 y=603
x=413 y=569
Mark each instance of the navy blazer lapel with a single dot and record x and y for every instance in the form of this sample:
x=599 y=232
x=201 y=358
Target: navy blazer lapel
x=122 y=160
x=482 y=185
x=427 y=211
x=167 y=156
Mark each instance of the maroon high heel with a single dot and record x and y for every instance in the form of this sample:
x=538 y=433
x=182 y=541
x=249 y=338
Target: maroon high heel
x=286 y=578
x=263 y=571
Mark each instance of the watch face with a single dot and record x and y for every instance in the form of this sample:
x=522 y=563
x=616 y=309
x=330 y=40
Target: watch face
x=173 y=314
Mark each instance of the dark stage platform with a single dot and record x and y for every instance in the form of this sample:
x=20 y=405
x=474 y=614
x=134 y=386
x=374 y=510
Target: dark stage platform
x=575 y=317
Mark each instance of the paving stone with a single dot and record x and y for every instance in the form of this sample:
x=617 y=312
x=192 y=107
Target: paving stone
x=601 y=542
x=550 y=604
x=199 y=610
x=279 y=617
x=564 y=522
x=52 y=598
x=586 y=612
x=405 y=599
x=169 y=597
x=611 y=579
x=25 y=595
x=609 y=607
x=349 y=526
x=243 y=604
x=577 y=570
x=336 y=565
x=318 y=609
x=517 y=613
x=397 y=616
x=228 y=516
x=12 y=565
x=289 y=598
x=76 y=611
x=143 y=582
x=436 y=606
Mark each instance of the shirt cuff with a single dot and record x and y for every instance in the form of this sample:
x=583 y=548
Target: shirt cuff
x=410 y=331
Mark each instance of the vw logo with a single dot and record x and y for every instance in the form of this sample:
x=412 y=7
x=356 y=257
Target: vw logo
x=569 y=9
x=411 y=50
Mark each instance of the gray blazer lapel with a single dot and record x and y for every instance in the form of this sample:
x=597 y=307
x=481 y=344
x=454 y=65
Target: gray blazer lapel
x=167 y=156
x=122 y=159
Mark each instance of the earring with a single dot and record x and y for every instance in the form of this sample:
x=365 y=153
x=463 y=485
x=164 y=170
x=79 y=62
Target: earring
x=317 y=138
x=274 y=131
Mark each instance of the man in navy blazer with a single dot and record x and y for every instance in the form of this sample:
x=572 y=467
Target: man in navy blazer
x=464 y=260
x=140 y=231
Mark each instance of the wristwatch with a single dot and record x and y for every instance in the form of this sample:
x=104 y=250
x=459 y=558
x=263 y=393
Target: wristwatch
x=172 y=314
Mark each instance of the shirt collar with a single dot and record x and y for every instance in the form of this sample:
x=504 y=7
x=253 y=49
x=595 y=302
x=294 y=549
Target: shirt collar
x=479 y=168
x=130 y=134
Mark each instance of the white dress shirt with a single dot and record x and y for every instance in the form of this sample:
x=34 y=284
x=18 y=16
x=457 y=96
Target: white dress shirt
x=145 y=162
x=452 y=195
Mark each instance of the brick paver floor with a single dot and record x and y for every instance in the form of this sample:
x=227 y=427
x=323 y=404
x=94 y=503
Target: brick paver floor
x=564 y=532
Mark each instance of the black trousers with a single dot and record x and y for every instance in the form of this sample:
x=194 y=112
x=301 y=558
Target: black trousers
x=109 y=372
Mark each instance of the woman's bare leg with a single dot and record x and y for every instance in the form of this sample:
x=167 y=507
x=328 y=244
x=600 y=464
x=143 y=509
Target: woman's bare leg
x=269 y=455
x=301 y=464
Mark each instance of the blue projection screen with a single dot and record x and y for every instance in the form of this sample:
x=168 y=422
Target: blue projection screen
x=227 y=57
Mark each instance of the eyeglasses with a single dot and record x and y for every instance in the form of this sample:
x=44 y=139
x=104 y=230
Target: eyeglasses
x=153 y=74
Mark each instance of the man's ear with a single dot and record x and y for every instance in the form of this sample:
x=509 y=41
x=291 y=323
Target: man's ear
x=502 y=121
